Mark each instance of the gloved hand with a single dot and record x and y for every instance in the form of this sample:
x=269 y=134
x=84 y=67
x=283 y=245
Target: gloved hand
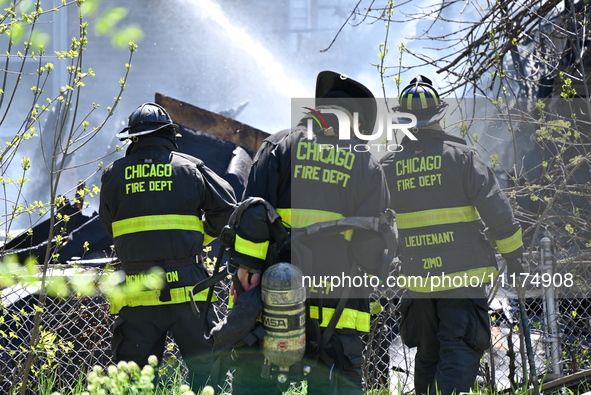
x=247 y=279
x=516 y=266
x=234 y=330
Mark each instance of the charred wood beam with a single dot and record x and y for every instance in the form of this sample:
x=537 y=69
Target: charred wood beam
x=210 y=122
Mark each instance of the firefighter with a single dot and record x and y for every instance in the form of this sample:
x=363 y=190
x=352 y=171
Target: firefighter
x=444 y=195
x=309 y=179
x=161 y=207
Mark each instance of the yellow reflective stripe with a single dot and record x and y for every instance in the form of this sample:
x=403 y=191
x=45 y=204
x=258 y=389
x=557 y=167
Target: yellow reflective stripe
x=434 y=95
x=423 y=100
x=207 y=239
x=350 y=318
x=511 y=243
x=247 y=247
x=157 y=222
x=300 y=218
x=437 y=216
x=152 y=298
x=409 y=102
x=445 y=282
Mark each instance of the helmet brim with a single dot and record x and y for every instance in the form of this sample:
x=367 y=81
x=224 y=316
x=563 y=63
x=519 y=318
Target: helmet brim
x=143 y=130
x=425 y=117
x=328 y=82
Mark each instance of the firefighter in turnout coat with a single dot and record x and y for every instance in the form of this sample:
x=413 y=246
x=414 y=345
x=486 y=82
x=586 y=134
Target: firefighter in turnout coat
x=444 y=196
x=310 y=179
x=161 y=207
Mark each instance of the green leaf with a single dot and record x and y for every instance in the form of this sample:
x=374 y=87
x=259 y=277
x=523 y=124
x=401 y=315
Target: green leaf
x=83 y=284
x=57 y=287
x=16 y=32
x=39 y=39
x=122 y=38
x=109 y=20
x=89 y=7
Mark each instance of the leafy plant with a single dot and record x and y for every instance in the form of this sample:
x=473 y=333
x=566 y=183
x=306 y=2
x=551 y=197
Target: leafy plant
x=58 y=121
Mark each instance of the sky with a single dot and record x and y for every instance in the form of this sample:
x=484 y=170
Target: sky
x=218 y=55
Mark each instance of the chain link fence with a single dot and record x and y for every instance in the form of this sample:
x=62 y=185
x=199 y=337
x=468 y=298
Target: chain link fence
x=558 y=317
x=75 y=331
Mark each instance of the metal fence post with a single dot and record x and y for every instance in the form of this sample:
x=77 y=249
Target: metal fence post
x=553 y=336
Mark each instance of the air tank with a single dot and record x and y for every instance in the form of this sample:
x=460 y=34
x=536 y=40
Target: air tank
x=284 y=314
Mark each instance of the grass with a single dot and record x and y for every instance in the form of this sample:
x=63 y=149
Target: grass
x=126 y=378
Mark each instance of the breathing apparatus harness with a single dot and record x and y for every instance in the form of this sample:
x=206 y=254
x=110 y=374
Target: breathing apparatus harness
x=282 y=238
x=227 y=238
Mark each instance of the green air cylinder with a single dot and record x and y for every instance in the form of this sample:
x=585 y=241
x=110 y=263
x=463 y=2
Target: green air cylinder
x=284 y=314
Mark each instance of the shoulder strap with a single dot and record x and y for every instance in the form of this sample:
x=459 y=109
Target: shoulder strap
x=383 y=225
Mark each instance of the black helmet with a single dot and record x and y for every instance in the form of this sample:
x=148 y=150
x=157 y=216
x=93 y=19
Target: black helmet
x=339 y=89
x=147 y=118
x=422 y=100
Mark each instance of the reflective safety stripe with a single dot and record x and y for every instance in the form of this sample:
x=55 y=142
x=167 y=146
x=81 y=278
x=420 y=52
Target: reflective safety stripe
x=434 y=96
x=511 y=243
x=300 y=218
x=255 y=250
x=469 y=278
x=207 y=239
x=437 y=216
x=157 y=222
x=409 y=101
x=152 y=298
x=350 y=318
x=423 y=98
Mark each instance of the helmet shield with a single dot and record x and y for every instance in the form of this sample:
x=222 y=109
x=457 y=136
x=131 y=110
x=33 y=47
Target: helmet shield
x=147 y=118
x=337 y=89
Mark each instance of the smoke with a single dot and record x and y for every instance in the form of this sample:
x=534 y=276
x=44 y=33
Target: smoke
x=216 y=54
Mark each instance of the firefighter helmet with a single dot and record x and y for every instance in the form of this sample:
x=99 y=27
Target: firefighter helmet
x=422 y=100
x=147 y=118
x=339 y=89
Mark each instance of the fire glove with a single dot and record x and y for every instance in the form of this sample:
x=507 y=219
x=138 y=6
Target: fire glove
x=240 y=326
x=516 y=266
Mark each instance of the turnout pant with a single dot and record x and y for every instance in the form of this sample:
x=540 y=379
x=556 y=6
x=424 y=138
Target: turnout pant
x=451 y=336
x=139 y=332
